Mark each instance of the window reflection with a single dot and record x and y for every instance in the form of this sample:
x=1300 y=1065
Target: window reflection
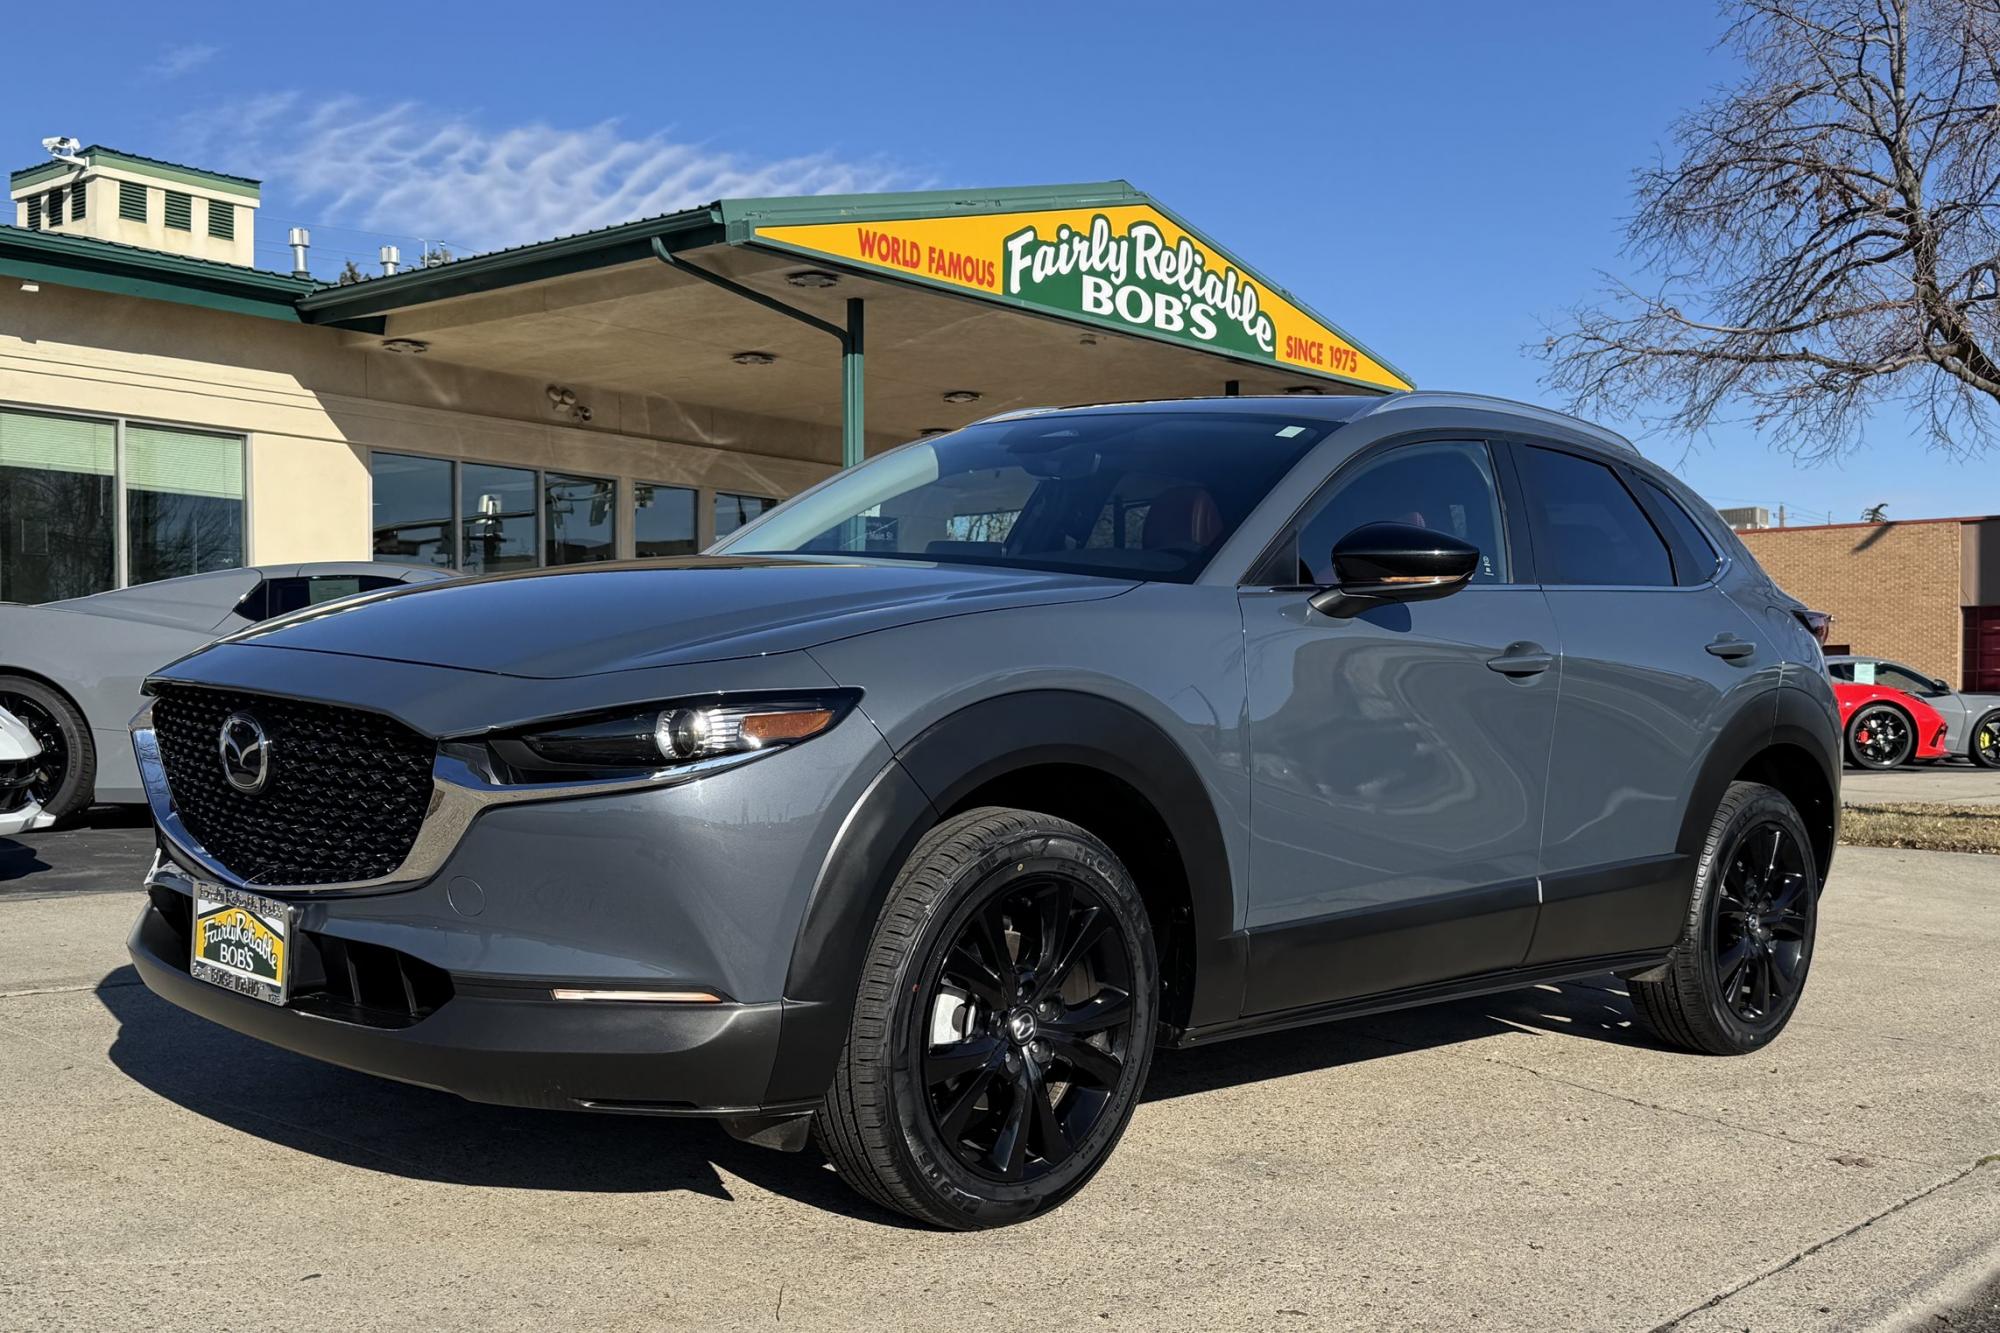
x=413 y=513
x=733 y=511
x=662 y=520
x=578 y=512
x=497 y=514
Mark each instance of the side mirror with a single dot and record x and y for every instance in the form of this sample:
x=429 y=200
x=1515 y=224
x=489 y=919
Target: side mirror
x=1941 y=685
x=1394 y=562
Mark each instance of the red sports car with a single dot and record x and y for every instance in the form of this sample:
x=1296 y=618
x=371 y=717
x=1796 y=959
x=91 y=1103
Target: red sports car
x=1885 y=727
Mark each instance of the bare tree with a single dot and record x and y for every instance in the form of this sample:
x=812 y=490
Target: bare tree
x=1826 y=241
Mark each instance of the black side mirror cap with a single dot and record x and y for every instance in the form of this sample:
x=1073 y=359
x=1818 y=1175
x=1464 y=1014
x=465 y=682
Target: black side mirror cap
x=1394 y=562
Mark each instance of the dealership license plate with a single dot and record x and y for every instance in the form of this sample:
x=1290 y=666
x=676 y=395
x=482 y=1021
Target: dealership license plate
x=242 y=942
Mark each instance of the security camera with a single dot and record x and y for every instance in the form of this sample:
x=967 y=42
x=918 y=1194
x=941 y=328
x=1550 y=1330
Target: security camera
x=63 y=149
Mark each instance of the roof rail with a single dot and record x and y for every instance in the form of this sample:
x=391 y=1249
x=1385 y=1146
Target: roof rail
x=1449 y=398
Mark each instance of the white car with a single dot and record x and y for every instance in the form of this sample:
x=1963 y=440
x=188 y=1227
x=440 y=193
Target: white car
x=19 y=811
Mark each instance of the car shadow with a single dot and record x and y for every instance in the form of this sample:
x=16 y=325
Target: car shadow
x=377 y=1125
x=18 y=860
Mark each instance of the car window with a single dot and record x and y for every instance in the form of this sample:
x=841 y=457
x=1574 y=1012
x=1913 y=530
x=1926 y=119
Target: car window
x=1444 y=485
x=1695 y=559
x=1138 y=495
x=281 y=596
x=1903 y=678
x=1841 y=670
x=1588 y=528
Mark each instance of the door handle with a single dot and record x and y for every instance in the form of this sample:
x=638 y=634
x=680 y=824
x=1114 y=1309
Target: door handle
x=1522 y=659
x=1731 y=649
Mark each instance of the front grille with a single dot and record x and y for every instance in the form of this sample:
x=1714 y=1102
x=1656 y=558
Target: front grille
x=345 y=795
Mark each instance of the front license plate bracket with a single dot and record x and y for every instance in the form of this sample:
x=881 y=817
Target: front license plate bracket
x=242 y=942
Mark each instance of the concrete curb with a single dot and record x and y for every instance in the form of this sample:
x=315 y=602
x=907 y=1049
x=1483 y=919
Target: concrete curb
x=1890 y=1273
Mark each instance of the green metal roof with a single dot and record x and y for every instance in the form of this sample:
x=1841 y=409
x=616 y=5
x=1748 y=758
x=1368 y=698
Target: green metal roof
x=131 y=270
x=100 y=156
x=364 y=305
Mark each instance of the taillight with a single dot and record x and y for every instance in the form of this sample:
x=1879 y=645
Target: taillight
x=1817 y=623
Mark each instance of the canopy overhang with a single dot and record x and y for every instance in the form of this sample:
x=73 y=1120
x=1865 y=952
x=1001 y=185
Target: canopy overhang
x=1018 y=297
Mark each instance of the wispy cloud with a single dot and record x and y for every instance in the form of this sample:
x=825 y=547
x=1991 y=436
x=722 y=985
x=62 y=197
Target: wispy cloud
x=178 y=60
x=417 y=170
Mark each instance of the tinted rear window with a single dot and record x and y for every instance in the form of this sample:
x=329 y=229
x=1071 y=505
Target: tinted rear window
x=1588 y=528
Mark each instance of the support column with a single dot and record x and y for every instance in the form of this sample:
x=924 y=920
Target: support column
x=853 y=388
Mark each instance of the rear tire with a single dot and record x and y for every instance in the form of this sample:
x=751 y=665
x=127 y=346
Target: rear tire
x=1003 y=1028
x=1736 y=974
x=69 y=781
x=1880 y=737
x=1983 y=746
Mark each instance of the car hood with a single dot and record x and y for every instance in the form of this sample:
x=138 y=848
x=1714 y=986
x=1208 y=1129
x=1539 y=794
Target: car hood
x=621 y=617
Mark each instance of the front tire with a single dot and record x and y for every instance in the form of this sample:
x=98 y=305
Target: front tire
x=1983 y=748
x=1736 y=974
x=1003 y=1028
x=1881 y=736
x=66 y=780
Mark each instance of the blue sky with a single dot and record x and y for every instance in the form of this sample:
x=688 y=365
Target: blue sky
x=1436 y=178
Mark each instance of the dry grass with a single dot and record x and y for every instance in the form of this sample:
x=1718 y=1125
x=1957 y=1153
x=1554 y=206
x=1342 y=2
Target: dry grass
x=1923 y=826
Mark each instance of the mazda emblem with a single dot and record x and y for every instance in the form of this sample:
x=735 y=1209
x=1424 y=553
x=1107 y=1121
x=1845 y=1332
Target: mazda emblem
x=246 y=753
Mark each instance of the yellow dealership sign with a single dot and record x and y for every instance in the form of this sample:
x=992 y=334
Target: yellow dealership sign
x=1128 y=267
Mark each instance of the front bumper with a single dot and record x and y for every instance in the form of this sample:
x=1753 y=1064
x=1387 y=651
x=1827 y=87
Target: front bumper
x=696 y=885
x=510 y=1046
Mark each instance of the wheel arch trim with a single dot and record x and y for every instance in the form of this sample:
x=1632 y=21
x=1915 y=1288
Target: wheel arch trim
x=934 y=772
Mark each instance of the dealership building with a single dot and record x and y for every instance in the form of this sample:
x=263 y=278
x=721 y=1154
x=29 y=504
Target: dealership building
x=1925 y=592
x=635 y=391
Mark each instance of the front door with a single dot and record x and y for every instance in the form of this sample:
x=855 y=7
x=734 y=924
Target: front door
x=1398 y=759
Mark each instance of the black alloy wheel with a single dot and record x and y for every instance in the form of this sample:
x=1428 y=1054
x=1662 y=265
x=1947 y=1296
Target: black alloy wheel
x=1733 y=979
x=1003 y=1027
x=1881 y=737
x=1984 y=747
x=1761 y=934
x=1030 y=1024
x=53 y=762
x=66 y=770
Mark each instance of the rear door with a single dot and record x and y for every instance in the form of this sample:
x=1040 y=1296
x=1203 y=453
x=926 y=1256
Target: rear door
x=1656 y=660
x=1398 y=759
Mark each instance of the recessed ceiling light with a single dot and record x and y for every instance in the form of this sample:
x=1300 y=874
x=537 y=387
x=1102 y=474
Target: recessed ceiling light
x=1305 y=389
x=962 y=396
x=812 y=277
x=1087 y=340
x=407 y=346
x=753 y=358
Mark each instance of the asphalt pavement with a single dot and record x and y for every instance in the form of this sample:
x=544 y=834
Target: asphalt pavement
x=1528 y=1161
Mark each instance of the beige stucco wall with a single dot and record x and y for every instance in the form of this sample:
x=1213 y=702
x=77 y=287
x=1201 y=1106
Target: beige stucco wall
x=312 y=401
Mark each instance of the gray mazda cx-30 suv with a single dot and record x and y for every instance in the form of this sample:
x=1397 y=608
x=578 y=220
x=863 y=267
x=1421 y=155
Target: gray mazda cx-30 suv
x=918 y=812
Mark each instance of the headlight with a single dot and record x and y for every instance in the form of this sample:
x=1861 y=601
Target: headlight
x=663 y=736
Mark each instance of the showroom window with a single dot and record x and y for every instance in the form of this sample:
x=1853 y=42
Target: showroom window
x=486 y=518
x=413 y=510
x=60 y=522
x=58 y=492
x=183 y=502
x=496 y=510
x=662 y=520
x=733 y=511
x=578 y=512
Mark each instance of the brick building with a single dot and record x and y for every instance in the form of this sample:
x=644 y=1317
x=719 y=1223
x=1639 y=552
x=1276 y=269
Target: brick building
x=1925 y=592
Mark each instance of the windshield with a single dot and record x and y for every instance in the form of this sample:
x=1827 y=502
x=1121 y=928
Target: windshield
x=1136 y=495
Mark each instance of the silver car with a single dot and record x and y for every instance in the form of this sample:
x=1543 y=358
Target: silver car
x=916 y=814
x=71 y=670
x=1971 y=721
